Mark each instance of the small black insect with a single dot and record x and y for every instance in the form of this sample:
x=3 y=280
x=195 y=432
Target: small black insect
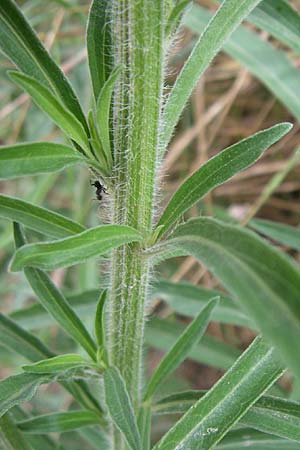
x=99 y=189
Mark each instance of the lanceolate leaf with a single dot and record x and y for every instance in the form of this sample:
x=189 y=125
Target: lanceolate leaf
x=280 y=232
x=36 y=157
x=99 y=44
x=272 y=415
x=10 y=436
x=60 y=115
x=58 y=364
x=103 y=113
x=20 y=43
x=175 y=15
x=55 y=303
x=249 y=439
x=36 y=316
x=58 y=422
x=37 y=218
x=120 y=408
x=186 y=299
x=280 y=19
x=270 y=65
x=261 y=279
x=22 y=387
x=73 y=250
x=217 y=170
x=225 y=21
x=144 y=425
x=19 y=388
x=29 y=346
x=14 y=337
x=181 y=349
x=100 y=319
x=227 y=401
x=163 y=334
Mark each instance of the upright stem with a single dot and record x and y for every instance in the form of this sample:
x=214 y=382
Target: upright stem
x=138 y=45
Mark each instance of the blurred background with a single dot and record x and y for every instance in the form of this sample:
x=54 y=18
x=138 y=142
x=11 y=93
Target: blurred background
x=241 y=93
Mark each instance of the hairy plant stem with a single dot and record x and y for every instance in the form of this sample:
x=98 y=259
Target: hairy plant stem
x=138 y=45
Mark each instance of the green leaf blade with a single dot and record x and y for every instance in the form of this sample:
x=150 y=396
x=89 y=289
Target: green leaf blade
x=280 y=19
x=58 y=422
x=217 y=170
x=120 y=407
x=225 y=21
x=260 y=278
x=14 y=337
x=20 y=43
x=53 y=300
x=47 y=102
x=35 y=158
x=72 y=250
x=19 y=388
x=186 y=299
x=265 y=62
x=103 y=112
x=57 y=364
x=99 y=44
x=163 y=334
x=181 y=349
x=274 y=415
x=280 y=232
x=37 y=218
x=208 y=420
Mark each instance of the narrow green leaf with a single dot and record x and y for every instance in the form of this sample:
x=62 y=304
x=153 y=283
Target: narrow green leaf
x=217 y=170
x=98 y=439
x=163 y=334
x=248 y=439
x=29 y=346
x=209 y=419
x=191 y=336
x=103 y=112
x=276 y=416
x=58 y=422
x=99 y=44
x=16 y=338
x=144 y=425
x=19 y=42
x=55 y=303
x=11 y=436
x=280 y=19
x=267 y=63
x=37 y=442
x=100 y=319
x=37 y=218
x=120 y=407
x=186 y=299
x=95 y=141
x=36 y=316
x=58 y=364
x=75 y=249
x=261 y=278
x=60 y=115
x=280 y=232
x=175 y=16
x=225 y=21
x=273 y=415
x=19 y=388
x=34 y=158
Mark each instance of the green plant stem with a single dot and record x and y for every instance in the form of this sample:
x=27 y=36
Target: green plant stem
x=138 y=46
